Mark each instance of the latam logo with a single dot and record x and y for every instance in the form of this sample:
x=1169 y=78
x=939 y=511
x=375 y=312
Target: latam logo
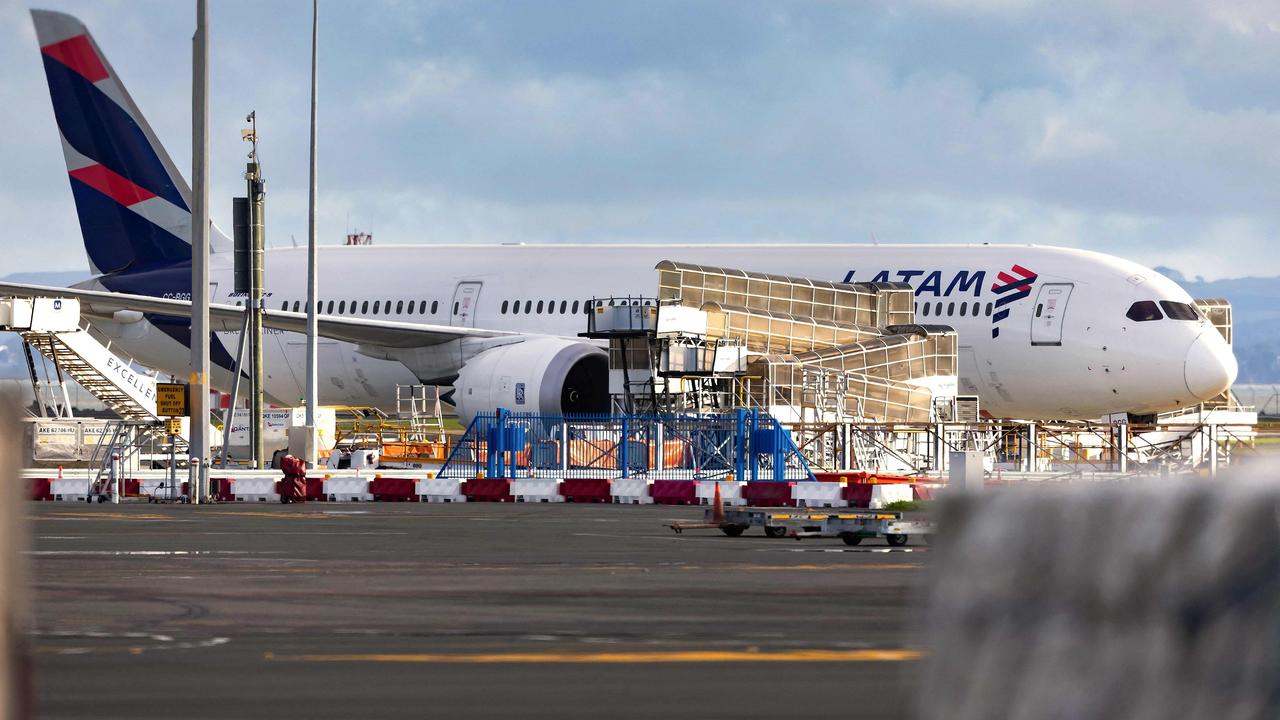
x=1010 y=289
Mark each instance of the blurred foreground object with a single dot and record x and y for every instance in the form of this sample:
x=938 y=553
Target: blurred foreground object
x=15 y=676
x=1152 y=600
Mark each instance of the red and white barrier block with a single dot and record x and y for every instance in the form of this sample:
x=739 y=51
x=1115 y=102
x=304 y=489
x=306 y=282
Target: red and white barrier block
x=69 y=489
x=630 y=491
x=255 y=489
x=730 y=492
x=347 y=489
x=807 y=493
x=545 y=490
x=440 y=490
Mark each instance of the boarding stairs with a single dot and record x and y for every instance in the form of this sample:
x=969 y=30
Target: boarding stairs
x=53 y=327
x=420 y=406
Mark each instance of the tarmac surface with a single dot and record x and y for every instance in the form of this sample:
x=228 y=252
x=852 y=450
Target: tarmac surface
x=474 y=610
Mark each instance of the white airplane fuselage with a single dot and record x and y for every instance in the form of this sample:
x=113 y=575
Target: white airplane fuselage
x=1063 y=349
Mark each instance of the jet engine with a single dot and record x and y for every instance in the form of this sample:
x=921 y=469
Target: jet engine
x=540 y=375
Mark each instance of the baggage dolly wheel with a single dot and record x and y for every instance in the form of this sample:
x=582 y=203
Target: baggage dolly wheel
x=775 y=531
x=850 y=538
x=896 y=540
x=732 y=530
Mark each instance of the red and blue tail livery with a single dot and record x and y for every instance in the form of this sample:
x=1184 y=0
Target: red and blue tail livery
x=132 y=203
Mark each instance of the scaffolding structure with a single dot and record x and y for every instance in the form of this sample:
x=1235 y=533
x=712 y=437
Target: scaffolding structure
x=804 y=351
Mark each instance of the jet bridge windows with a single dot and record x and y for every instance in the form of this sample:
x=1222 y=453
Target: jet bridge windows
x=1179 y=311
x=1144 y=311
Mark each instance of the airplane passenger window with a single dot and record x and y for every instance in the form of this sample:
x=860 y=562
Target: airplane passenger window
x=539 y=306
x=237 y=303
x=926 y=310
x=976 y=307
x=376 y=304
x=1179 y=311
x=364 y=308
x=422 y=308
x=528 y=306
x=284 y=305
x=515 y=308
x=504 y=306
x=951 y=309
x=342 y=308
x=988 y=309
x=575 y=307
x=295 y=305
x=455 y=308
x=963 y=308
x=937 y=309
x=329 y=308
x=399 y=306
x=563 y=304
x=434 y=304
x=1144 y=311
x=386 y=308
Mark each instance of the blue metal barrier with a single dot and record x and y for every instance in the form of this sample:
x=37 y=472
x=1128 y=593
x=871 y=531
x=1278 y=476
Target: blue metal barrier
x=675 y=447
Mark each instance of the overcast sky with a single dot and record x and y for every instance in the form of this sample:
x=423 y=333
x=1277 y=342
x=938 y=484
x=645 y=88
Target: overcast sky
x=1149 y=129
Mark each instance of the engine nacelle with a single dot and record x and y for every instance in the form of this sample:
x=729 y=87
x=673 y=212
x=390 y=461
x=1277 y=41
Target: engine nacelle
x=541 y=375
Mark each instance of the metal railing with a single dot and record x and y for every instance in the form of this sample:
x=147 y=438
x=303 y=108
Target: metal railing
x=747 y=445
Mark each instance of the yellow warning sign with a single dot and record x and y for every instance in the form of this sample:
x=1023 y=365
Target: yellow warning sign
x=171 y=399
x=173 y=426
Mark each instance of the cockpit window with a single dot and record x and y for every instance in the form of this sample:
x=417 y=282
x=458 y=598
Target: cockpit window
x=1144 y=310
x=1179 y=311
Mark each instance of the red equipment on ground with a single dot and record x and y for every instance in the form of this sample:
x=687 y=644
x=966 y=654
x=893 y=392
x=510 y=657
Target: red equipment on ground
x=293 y=488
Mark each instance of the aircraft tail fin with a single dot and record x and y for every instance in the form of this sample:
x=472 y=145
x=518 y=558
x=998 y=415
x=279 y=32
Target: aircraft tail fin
x=133 y=204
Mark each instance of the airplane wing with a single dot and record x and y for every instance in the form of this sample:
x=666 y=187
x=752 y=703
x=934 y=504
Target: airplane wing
x=365 y=331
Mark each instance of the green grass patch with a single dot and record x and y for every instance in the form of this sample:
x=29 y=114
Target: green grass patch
x=907 y=505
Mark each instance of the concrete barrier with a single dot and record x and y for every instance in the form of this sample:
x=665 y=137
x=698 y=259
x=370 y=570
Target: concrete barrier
x=767 y=493
x=630 y=491
x=882 y=495
x=488 y=490
x=730 y=492
x=39 y=489
x=819 y=494
x=586 y=490
x=255 y=489
x=347 y=489
x=69 y=489
x=385 y=489
x=440 y=490
x=674 y=492
x=536 y=490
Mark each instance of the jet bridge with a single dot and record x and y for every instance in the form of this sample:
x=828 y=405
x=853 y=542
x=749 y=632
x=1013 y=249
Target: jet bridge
x=803 y=350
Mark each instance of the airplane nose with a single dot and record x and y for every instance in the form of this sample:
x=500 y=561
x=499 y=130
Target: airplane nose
x=1211 y=366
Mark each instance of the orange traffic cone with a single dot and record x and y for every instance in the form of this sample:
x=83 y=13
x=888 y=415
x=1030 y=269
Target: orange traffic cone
x=717 y=506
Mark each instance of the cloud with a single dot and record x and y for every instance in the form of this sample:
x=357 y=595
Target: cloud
x=1142 y=128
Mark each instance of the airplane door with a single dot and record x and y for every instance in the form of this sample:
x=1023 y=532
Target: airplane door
x=465 y=298
x=1047 y=316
